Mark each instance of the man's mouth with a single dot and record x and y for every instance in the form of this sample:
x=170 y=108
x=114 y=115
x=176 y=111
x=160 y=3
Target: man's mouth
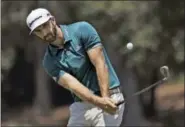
x=48 y=37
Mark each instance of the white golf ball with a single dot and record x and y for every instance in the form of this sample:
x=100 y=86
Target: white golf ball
x=129 y=45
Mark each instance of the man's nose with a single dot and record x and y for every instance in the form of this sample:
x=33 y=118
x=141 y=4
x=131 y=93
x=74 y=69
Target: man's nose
x=44 y=33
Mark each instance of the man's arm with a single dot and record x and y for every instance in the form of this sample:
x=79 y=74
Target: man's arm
x=97 y=58
x=71 y=83
x=92 y=44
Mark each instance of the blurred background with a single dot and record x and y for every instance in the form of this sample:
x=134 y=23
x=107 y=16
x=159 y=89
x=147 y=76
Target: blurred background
x=156 y=28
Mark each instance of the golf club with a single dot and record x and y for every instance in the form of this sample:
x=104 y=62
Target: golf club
x=164 y=71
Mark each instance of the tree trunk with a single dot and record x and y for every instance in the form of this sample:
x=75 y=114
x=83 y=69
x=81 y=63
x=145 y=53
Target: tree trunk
x=42 y=98
x=133 y=114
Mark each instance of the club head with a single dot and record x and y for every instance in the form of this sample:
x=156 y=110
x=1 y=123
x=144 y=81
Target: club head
x=165 y=71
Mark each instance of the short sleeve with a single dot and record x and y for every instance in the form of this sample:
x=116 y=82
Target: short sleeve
x=53 y=71
x=89 y=36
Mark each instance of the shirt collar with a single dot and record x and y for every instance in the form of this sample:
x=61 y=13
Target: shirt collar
x=65 y=31
x=53 y=49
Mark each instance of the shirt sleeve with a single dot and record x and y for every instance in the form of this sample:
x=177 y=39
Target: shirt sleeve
x=89 y=36
x=53 y=71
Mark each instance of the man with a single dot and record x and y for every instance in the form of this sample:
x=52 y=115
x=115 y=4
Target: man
x=76 y=60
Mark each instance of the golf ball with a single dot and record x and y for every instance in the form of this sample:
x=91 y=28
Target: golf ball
x=129 y=45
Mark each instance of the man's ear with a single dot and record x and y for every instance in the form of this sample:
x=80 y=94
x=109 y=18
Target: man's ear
x=53 y=20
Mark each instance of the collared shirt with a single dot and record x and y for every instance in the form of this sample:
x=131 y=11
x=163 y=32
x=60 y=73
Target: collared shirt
x=73 y=58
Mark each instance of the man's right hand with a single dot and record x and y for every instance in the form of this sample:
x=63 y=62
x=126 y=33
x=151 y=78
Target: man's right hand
x=107 y=104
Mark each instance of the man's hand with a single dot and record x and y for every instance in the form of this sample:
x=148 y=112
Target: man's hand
x=108 y=105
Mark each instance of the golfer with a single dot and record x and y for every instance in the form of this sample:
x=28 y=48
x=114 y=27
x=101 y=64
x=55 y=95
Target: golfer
x=76 y=59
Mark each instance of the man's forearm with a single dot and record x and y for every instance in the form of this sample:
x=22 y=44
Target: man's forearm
x=103 y=78
x=97 y=58
x=80 y=90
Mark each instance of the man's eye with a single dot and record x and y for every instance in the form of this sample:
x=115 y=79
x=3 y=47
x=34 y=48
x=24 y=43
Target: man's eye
x=45 y=24
x=37 y=31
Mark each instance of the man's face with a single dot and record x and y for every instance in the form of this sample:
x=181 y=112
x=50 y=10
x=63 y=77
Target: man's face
x=47 y=31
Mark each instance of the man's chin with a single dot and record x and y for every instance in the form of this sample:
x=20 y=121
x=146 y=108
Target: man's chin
x=50 y=41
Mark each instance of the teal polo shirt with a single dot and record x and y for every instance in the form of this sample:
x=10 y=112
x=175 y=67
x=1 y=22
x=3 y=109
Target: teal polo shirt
x=73 y=58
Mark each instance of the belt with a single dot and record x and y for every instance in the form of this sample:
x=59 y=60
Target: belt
x=111 y=91
x=98 y=93
x=115 y=91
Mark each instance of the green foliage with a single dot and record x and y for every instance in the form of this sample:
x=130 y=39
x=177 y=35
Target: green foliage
x=154 y=27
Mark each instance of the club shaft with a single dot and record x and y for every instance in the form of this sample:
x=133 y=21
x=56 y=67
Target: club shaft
x=143 y=90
